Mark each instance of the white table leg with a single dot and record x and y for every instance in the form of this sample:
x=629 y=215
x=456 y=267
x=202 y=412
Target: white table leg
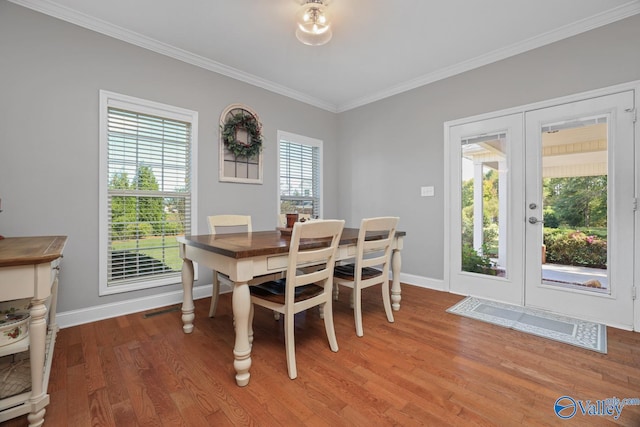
x=241 y=303
x=396 y=263
x=188 y=308
x=37 y=338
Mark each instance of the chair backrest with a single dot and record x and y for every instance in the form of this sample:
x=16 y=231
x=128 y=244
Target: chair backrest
x=313 y=243
x=219 y=224
x=375 y=252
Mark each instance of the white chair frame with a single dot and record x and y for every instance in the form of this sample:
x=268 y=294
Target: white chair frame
x=297 y=276
x=227 y=222
x=371 y=256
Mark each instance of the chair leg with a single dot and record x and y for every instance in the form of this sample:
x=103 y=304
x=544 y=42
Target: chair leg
x=329 y=327
x=215 y=294
x=386 y=299
x=336 y=291
x=290 y=344
x=357 y=310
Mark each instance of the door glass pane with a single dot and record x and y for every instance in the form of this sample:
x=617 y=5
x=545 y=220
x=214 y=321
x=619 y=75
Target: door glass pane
x=574 y=183
x=484 y=204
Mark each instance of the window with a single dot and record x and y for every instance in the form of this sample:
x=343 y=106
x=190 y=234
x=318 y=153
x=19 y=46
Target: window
x=147 y=191
x=300 y=166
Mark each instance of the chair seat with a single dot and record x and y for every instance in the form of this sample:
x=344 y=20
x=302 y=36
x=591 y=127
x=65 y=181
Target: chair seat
x=274 y=291
x=348 y=272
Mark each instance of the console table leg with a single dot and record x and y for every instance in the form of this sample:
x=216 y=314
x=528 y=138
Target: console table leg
x=37 y=338
x=36 y=419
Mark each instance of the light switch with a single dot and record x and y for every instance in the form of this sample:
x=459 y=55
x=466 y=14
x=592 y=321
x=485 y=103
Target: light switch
x=427 y=191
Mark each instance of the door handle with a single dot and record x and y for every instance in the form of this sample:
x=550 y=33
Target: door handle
x=534 y=220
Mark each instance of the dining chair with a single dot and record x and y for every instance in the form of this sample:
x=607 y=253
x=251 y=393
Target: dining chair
x=219 y=224
x=312 y=243
x=371 y=267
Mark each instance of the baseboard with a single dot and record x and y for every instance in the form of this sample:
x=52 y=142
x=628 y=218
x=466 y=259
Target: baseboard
x=106 y=311
x=422 y=282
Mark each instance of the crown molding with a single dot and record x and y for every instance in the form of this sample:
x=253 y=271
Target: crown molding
x=624 y=11
x=66 y=14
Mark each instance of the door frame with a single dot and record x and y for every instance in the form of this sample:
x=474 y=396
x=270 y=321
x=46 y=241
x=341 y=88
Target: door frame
x=633 y=86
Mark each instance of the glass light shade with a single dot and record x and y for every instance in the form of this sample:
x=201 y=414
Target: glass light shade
x=313 y=39
x=314 y=26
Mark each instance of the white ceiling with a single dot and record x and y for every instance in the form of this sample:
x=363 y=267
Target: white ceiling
x=379 y=47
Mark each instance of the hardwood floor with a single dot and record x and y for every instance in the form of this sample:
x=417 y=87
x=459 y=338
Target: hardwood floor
x=427 y=368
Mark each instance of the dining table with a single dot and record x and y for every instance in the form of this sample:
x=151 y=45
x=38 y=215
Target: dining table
x=244 y=256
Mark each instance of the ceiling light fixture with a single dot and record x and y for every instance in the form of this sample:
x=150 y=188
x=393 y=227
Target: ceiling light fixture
x=313 y=24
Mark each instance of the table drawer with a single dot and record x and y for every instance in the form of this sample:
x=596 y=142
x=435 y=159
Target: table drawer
x=277 y=263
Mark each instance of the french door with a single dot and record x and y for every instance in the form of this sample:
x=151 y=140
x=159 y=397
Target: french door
x=541 y=207
x=486 y=181
x=580 y=209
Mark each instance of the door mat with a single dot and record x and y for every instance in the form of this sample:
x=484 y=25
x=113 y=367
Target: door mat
x=581 y=333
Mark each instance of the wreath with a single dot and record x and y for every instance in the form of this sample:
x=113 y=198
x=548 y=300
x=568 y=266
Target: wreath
x=247 y=122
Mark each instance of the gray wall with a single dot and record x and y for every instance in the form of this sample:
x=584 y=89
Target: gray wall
x=376 y=156
x=50 y=76
x=396 y=145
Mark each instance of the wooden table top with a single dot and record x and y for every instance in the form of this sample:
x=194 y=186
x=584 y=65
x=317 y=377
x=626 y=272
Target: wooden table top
x=30 y=250
x=258 y=243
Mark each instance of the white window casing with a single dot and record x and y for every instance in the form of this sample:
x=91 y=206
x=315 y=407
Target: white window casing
x=147 y=191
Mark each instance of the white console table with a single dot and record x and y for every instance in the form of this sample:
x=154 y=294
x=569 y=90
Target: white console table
x=29 y=269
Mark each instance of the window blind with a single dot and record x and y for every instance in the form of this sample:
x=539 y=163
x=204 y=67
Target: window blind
x=299 y=178
x=149 y=195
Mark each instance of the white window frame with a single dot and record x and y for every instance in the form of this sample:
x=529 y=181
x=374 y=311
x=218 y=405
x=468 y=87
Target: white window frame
x=284 y=136
x=125 y=102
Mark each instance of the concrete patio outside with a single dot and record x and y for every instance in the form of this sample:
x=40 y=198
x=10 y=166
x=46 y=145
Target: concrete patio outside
x=575 y=275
